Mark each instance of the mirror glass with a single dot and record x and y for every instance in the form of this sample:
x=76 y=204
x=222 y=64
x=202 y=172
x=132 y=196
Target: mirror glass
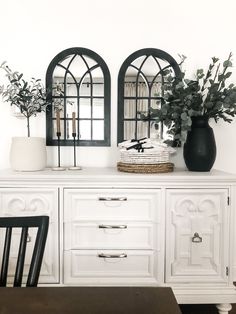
x=81 y=83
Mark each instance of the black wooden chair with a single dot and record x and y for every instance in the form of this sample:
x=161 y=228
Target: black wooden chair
x=40 y=222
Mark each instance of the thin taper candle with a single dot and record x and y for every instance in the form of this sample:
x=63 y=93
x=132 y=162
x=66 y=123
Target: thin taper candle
x=73 y=123
x=58 y=121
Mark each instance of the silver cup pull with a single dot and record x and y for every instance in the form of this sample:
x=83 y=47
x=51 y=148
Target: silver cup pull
x=103 y=255
x=196 y=238
x=112 y=226
x=112 y=199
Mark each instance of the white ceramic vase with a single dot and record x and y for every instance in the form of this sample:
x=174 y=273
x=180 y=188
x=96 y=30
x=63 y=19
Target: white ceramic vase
x=28 y=153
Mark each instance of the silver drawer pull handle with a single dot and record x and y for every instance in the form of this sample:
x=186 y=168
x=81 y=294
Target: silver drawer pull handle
x=112 y=226
x=106 y=199
x=103 y=255
x=28 y=238
x=196 y=238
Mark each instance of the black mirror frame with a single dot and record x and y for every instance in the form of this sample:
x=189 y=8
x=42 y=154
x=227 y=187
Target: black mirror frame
x=107 y=98
x=142 y=52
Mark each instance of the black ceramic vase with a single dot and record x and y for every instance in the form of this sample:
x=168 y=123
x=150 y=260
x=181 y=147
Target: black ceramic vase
x=200 y=146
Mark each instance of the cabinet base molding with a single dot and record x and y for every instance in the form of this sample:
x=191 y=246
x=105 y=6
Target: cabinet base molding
x=205 y=296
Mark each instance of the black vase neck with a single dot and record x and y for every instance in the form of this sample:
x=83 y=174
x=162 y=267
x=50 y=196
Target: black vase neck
x=200 y=122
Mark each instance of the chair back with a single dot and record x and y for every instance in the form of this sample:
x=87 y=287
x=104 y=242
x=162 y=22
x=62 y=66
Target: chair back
x=40 y=222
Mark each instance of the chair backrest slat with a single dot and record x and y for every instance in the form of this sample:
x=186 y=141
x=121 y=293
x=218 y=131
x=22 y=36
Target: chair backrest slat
x=21 y=257
x=40 y=222
x=37 y=256
x=5 y=258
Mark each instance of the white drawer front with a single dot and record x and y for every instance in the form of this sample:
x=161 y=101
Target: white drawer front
x=109 y=204
x=111 y=235
x=82 y=264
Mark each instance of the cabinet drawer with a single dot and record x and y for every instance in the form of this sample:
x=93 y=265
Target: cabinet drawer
x=105 y=264
x=110 y=204
x=111 y=235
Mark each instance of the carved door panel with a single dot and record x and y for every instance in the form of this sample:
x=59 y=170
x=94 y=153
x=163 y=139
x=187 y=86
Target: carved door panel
x=32 y=202
x=197 y=235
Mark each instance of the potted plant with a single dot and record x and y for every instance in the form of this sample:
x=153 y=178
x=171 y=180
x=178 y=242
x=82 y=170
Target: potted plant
x=189 y=104
x=30 y=97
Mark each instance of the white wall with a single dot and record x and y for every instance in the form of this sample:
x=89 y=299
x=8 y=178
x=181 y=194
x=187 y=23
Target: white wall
x=33 y=32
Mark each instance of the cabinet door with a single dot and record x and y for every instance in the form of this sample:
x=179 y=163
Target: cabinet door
x=197 y=236
x=32 y=202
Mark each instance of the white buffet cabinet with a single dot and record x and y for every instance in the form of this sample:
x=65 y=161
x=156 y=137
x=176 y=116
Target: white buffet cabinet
x=117 y=229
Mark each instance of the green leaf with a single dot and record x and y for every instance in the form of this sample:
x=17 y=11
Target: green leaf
x=175 y=115
x=166 y=72
x=191 y=112
x=184 y=116
x=228 y=74
x=215 y=60
x=211 y=82
x=200 y=71
x=189 y=122
x=20 y=76
x=3 y=63
x=209 y=104
x=179 y=85
x=227 y=64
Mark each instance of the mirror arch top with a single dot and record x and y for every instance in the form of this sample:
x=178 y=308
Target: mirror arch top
x=78 y=80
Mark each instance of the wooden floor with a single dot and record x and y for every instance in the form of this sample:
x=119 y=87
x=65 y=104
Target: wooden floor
x=202 y=309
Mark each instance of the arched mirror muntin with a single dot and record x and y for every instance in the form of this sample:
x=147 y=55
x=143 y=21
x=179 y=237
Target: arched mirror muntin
x=79 y=82
x=141 y=86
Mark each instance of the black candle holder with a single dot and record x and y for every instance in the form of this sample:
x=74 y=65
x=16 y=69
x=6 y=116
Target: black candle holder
x=59 y=168
x=74 y=167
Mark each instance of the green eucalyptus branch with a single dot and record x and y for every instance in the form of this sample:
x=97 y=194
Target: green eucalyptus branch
x=205 y=96
x=30 y=97
x=226 y=64
x=217 y=71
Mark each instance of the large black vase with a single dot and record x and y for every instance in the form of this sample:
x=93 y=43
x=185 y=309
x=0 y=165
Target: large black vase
x=200 y=146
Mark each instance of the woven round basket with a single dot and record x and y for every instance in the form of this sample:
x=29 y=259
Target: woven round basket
x=145 y=168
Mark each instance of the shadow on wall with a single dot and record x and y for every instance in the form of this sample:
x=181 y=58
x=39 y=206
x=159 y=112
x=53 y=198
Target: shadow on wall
x=226 y=146
x=177 y=158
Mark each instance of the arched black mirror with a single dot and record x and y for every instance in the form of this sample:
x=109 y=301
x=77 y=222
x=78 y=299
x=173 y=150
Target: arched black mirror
x=78 y=80
x=141 y=82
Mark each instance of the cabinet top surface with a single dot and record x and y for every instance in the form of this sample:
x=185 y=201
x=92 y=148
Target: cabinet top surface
x=113 y=175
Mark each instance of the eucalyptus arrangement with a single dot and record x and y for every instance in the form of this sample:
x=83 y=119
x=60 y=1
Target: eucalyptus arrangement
x=207 y=95
x=29 y=96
